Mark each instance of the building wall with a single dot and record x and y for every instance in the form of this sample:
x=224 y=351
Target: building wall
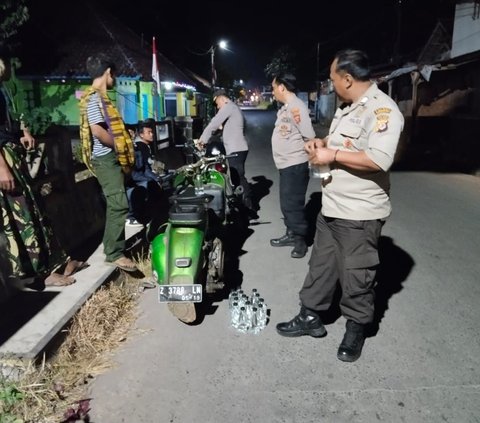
x=466 y=29
x=136 y=100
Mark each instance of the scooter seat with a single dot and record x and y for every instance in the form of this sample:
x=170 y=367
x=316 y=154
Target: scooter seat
x=187 y=213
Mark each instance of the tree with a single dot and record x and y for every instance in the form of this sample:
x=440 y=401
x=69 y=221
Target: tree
x=282 y=61
x=14 y=14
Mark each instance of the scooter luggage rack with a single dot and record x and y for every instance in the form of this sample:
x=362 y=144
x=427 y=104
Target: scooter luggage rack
x=188 y=208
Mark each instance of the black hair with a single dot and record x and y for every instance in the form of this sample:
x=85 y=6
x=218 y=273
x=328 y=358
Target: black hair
x=131 y=127
x=354 y=62
x=148 y=123
x=218 y=93
x=97 y=65
x=287 y=79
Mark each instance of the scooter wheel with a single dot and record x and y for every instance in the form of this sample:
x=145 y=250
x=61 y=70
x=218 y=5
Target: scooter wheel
x=183 y=311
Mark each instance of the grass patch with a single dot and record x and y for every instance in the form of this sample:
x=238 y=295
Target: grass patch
x=55 y=389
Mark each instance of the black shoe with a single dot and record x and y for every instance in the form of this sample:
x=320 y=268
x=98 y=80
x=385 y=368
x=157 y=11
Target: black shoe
x=300 y=248
x=351 y=347
x=287 y=240
x=307 y=322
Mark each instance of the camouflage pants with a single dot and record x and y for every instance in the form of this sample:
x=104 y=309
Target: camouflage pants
x=32 y=249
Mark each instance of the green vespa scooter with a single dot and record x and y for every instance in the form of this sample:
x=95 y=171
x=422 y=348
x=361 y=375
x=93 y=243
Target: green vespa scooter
x=188 y=256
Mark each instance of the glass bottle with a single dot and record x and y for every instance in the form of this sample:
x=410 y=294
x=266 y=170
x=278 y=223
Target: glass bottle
x=254 y=327
x=235 y=315
x=199 y=188
x=233 y=299
x=319 y=171
x=243 y=323
x=261 y=316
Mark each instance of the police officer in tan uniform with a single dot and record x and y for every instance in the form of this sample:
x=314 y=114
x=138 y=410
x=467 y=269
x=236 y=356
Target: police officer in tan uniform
x=293 y=128
x=359 y=149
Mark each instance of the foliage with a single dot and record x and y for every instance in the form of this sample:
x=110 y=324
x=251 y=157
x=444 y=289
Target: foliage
x=282 y=61
x=80 y=413
x=14 y=14
x=37 y=120
x=10 y=396
x=55 y=390
x=40 y=119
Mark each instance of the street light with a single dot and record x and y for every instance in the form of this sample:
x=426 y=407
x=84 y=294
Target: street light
x=223 y=45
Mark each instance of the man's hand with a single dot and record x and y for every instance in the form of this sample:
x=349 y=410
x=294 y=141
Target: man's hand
x=27 y=140
x=321 y=156
x=314 y=143
x=199 y=144
x=7 y=182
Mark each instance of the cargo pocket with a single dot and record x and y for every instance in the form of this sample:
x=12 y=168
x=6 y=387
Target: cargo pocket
x=352 y=139
x=359 y=273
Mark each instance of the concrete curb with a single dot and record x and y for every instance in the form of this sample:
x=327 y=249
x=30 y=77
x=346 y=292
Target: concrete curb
x=34 y=336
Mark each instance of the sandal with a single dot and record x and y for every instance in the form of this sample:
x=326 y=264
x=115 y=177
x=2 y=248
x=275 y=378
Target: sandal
x=124 y=263
x=74 y=266
x=56 y=279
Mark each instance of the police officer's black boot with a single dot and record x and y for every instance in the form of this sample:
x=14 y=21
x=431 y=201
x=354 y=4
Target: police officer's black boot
x=351 y=347
x=300 y=248
x=287 y=240
x=307 y=322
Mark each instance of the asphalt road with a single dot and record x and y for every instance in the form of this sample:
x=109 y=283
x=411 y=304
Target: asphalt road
x=421 y=365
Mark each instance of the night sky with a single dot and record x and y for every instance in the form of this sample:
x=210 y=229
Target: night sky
x=255 y=30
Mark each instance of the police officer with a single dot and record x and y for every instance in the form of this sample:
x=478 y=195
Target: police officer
x=360 y=148
x=293 y=128
x=230 y=119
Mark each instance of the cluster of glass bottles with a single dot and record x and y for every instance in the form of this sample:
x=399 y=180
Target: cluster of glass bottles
x=248 y=314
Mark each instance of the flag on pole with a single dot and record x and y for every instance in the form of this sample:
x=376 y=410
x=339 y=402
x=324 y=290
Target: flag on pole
x=158 y=109
x=155 y=74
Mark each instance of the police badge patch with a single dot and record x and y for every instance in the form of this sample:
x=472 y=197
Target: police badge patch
x=382 y=116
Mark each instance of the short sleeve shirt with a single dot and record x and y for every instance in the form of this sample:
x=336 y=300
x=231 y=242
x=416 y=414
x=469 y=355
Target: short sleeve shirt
x=288 y=137
x=95 y=116
x=373 y=124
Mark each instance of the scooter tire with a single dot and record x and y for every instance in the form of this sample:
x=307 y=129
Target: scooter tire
x=183 y=311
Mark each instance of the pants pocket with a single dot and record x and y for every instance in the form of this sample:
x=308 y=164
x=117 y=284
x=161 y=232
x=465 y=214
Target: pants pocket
x=360 y=273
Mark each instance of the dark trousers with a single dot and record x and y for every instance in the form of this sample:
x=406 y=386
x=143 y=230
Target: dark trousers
x=143 y=200
x=293 y=187
x=344 y=251
x=237 y=170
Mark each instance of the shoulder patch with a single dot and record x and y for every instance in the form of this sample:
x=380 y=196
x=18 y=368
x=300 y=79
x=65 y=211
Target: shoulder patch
x=382 y=123
x=296 y=115
x=382 y=110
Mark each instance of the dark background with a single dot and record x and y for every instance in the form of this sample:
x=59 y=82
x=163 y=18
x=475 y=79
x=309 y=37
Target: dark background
x=389 y=30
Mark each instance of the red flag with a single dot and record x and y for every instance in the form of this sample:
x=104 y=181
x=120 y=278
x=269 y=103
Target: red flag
x=155 y=74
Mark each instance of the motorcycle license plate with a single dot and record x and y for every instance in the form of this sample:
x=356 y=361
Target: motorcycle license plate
x=180 y=293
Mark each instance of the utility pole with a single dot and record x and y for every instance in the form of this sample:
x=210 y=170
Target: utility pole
x=214 y=72
x=318 y=81
x=396 y=47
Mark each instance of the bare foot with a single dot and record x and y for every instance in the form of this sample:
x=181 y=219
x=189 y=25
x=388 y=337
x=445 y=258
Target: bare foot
x=56 y=279
x=74 y=266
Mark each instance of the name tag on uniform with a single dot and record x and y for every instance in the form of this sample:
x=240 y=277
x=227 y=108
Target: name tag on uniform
x=356 y=121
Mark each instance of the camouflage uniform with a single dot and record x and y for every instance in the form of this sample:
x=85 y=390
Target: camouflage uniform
x=33 y=251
